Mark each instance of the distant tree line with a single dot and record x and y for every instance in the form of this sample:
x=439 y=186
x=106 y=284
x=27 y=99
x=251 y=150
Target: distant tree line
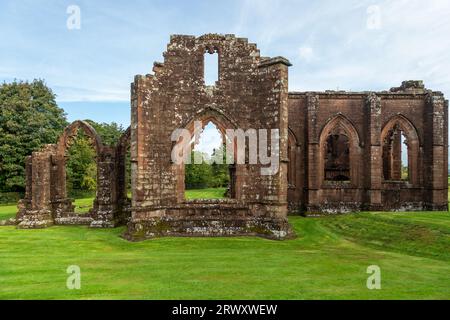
x=207 y=175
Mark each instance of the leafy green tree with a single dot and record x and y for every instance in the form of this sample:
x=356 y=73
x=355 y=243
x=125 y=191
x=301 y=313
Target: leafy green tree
x=29 y=119
x=208 y=175
x=220 y=172
x=405 y=173
x=109 y=132
x=197 y=176
x=81 y=167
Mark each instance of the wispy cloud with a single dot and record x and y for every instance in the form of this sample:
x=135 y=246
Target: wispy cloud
x=331 y=45
x=73 y=94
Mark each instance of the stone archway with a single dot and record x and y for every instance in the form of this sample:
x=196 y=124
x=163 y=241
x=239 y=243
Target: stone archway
x=46 y=202
x=63 y=208
x=222 y=123
x=395 y=126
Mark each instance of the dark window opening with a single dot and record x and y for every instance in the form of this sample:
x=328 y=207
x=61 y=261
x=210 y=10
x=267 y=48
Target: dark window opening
x=337 y=158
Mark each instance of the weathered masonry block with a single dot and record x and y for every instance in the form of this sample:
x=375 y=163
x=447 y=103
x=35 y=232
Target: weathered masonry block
x=339 y=151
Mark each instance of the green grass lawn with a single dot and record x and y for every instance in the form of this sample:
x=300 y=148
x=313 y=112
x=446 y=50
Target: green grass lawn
x=218 y=193
x=7 y=211
x=328 y=260
x=83 y=205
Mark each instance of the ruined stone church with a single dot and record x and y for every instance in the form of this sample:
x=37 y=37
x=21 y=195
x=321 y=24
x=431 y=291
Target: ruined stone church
x=339 y=151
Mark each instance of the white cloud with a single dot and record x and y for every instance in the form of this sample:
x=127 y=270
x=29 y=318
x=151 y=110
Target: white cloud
x=306 y=53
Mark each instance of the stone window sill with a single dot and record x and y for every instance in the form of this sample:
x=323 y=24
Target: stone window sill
x=338 y=185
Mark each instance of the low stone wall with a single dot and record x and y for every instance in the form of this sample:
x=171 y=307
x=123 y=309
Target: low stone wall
x=275 y=229
x=34 y=219
x=9 y=222
x=333 y=208
x=74 y=220
x=205 y=219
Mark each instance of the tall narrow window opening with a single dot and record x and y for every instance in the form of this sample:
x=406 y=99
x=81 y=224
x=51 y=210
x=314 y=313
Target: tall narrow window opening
x=211 y=68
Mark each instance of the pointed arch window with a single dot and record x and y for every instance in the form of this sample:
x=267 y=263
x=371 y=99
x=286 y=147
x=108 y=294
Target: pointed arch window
x=339 y=152
x=400 y=151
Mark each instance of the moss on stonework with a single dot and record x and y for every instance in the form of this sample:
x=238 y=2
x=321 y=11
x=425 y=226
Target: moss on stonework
x=137 y=234
x=161 y=227
x=259 y=230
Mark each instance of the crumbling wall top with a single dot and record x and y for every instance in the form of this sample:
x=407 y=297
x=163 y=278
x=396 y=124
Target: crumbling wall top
x=408 y=89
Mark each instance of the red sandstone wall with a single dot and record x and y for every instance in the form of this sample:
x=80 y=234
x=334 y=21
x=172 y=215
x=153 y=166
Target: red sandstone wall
x=251 y=94
x=424 y=111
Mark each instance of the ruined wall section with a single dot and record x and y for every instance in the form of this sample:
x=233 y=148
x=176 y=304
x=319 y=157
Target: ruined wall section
x=408 y=195
x=46 y=201
x=251 y=93
x=35 y=210
x=422 y=115
x=327 y=111
x=436 y=147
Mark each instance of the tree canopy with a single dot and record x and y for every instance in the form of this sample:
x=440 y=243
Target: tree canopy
x=207 y=175
x=29 y=119
x=81 y=167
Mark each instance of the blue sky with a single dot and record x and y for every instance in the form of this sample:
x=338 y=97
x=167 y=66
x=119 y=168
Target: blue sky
x=331 y=45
